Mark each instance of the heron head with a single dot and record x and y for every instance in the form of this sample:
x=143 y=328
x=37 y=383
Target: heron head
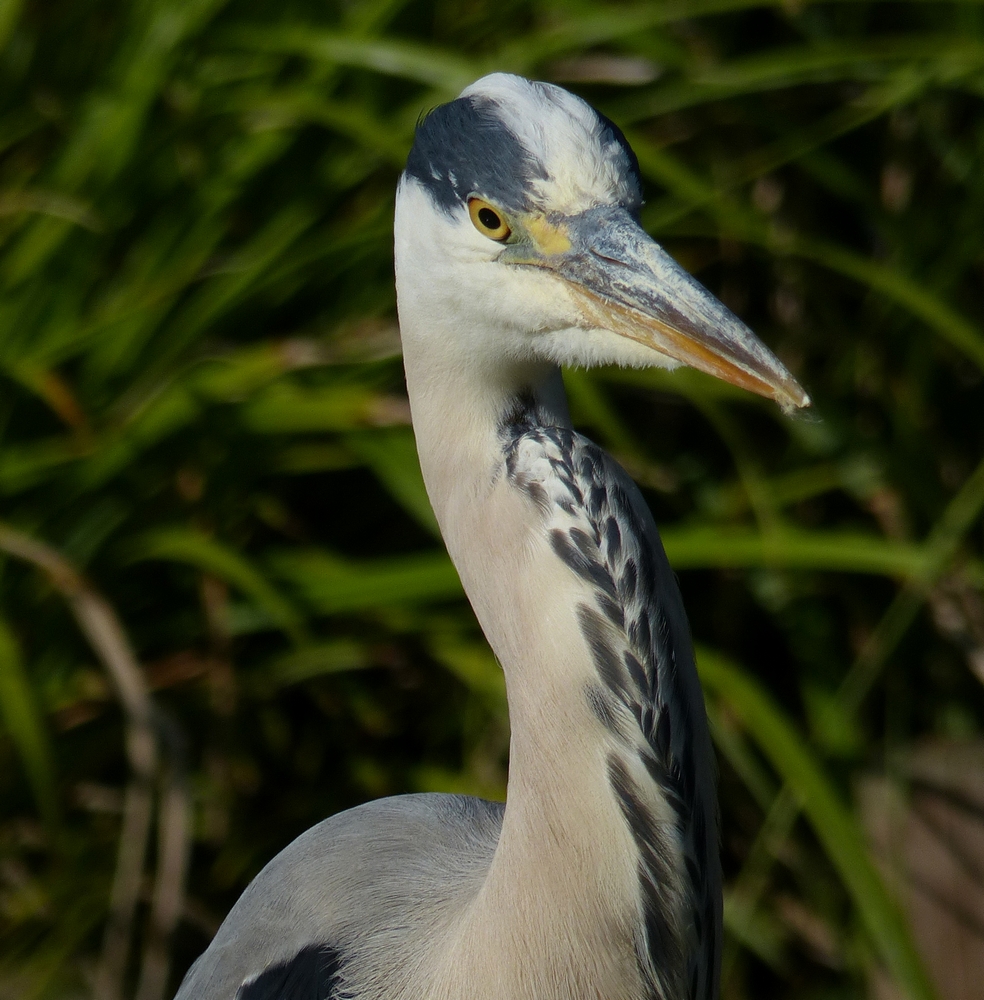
x=517 y=228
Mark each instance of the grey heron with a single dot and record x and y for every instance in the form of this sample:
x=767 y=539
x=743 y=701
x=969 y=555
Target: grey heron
x=518 y=250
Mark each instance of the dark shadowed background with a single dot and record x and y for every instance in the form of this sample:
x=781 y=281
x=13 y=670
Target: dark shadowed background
x=224 y=609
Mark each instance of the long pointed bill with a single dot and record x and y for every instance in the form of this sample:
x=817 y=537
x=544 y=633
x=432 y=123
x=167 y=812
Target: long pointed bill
x=625 y=282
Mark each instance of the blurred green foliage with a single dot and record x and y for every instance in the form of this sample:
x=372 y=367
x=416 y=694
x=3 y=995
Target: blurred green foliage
x=201 y=408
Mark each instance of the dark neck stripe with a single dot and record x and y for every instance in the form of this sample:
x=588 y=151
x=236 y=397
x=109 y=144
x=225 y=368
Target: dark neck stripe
x=636 y=632
x=664 y=960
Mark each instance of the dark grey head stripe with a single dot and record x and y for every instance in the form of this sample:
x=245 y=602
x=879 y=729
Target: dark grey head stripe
x=463 y=148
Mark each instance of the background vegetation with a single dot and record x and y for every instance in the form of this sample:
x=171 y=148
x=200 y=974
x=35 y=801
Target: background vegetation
x=224 y=609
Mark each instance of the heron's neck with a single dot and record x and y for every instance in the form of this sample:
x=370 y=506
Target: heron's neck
x=497 y=540
x=458 y=411
x=564 y=839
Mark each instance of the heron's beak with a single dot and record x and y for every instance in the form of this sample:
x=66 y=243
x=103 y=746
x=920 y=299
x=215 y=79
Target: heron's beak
x=623 y=281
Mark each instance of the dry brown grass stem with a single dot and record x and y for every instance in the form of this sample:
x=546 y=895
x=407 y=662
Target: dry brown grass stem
x=104 y=631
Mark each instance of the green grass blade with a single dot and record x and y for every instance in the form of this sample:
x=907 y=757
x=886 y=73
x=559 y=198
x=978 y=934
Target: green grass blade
x=289 y=408
x=897 y=286
x=108 y=129
x=706 y=547
x=872 y=61
x=185 y=545
x=24 y=465
x=392 y=456
x=237 y=279
x=331 y=585
x=836 y=829
x=474 y=664
x=580 y=30
x=10 y=11
x=163 y=415
x=26 y=727
x=407 y=60
x=289 y=109
x=308 y=662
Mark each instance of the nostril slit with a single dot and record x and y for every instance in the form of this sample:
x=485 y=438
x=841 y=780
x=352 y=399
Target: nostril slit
x=604 y=256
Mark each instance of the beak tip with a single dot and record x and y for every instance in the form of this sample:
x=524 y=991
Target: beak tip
x=792 y=397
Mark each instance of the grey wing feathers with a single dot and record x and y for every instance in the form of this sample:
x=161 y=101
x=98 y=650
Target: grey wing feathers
x=351 y=901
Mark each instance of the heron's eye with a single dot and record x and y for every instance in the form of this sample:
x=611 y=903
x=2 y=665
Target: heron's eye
x=488 y=220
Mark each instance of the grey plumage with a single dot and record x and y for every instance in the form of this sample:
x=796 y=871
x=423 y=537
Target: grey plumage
x=355 y=886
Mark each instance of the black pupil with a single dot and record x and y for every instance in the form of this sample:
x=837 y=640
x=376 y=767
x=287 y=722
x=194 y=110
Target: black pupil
x=489 y=219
